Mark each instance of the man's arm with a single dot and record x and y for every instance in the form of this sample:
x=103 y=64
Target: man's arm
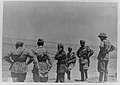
x=34 y=58
x=8 y=58
x=49 y=60
x=91 y=52
x=112 y=48
x=73 y=58
x=77 y=53
x=60 y=56
x=30 y=60
x=56 y=56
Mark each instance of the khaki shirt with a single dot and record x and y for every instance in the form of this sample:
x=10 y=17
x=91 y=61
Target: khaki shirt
x=44 y=61
x=18 y=59
x=105 y=46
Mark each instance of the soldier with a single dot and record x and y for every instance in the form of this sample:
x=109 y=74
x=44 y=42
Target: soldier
x=84 y=53
x=61 y=64
x=41 y=69
x=103 y=57
x=71 y=60
x=18 y=60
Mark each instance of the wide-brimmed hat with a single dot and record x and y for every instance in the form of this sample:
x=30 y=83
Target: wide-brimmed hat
x=102 y=35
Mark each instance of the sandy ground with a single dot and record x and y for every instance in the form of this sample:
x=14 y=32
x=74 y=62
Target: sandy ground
x=75 y=74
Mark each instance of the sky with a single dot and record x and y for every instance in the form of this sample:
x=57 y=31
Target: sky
x=65 y=22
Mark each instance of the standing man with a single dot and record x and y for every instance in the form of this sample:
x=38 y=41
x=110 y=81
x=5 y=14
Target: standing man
x=103 y=57
x=71 y=60
x=61 y=64
x=84 y=53
x=43 y=65
x=18 y=60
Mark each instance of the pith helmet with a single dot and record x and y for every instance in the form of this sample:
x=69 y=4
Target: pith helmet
x=102 y=35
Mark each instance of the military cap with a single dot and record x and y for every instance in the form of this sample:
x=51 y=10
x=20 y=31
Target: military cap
x=60 y=45
x=69 y=49
x=19 y=43
x=82 y=41
x=102 y=35
x=40 y=41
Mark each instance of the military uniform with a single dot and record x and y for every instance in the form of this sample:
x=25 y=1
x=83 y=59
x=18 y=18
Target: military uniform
x=43 y=65
x=84 y=53
x=18 y=60
x=71 y=60
x=61 y=65
x=103 y=57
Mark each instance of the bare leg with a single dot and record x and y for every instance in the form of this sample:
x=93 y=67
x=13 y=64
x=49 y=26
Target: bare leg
x=86 y=75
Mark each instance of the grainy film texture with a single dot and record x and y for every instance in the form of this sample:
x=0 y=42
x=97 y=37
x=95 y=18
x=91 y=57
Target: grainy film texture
x=59 y=42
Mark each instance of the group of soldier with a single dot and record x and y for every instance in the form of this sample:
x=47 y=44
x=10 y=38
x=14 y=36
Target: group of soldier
x=20 y=57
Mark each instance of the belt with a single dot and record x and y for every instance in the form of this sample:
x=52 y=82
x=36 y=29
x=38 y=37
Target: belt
x=19 y=61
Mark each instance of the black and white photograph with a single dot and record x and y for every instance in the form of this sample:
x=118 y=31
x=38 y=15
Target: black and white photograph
x=59 y=42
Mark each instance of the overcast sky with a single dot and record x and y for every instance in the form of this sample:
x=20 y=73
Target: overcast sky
x=60 y=21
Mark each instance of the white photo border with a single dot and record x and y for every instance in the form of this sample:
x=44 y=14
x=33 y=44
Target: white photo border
x=118 y=39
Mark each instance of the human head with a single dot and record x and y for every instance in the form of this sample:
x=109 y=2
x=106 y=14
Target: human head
x=19 y=44
x=69 y=49
x=102 y=36
x=60 y=47
x=82 y=43
x=40 y=42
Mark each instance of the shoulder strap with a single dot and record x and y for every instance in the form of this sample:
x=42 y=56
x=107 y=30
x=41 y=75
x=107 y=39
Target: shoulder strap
x=20 y=54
